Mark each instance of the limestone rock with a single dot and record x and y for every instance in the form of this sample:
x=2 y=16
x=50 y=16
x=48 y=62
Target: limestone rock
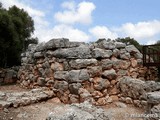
x=101 y=101
x=101 y=53
x=153 y=97
x=113 y=91
x=133 y=88
x=74 y=87
x=100 y=83
x=82 y=52
x=61 y=75
x=40 y=47
x=82 y=63
x=132 y=49
x=106 y=64
x=78 y=75
x=97 y=94
x=4 y=104
x=121 y=105
x=61 y=85
x=95 y=71
x=83 y=111
x=120 y=45
x=41 y=81
x=156 y=112
x=114 y=98
x=128 y=100
x=110 y=74
x=57 y=43
x=38 y=55
x=74 y=98
x=84 y=94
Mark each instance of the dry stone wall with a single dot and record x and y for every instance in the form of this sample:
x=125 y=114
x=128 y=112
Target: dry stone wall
x=8 y=75
x=78 y=71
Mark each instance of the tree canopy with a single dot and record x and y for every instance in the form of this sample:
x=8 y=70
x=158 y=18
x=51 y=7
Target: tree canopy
x=16 y=29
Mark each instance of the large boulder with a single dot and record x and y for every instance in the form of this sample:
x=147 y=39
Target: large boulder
x=82 y=63
x=57 y=43
x=83 y=111
x=78 y=76
x=101 y=53
x=82 y=52
x=38 y=55
x=132 y=49
x=61 y=75
x=136 y=88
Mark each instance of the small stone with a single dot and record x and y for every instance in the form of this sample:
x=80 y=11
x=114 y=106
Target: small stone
x=144 y=103
x=113 y=91
x=129 y=100
x=121 y=105
x=6 y=110
x=110 y=74
x=74 y=98
x=133 y=62
x=101 y=101
x=113 y=82
x=84 y=94
x=56 y=100
x=97 y=94
x=41 y=81
x=4 y=104
x=109 y=100
x=114 y=97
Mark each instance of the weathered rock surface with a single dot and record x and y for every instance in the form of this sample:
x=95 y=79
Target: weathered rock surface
x=15 y=99
x=155 y=111
x=83 y=111
x=78 y=52
x=133 y=88
x=153 y=97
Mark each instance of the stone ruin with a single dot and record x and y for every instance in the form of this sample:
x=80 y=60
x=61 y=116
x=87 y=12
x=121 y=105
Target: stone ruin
x=96 y=73
x=77 y=71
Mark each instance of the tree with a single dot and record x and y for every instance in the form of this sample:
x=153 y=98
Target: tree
x=130 y=41
x=16 y=28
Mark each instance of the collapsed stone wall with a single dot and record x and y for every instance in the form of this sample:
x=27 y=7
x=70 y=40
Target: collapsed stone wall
x=78 y=71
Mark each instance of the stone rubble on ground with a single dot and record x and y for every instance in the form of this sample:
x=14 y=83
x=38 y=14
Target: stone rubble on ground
x=16 y=99
x=82 y=111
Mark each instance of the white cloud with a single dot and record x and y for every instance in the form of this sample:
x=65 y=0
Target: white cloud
x=64 y=31
x=102 y=32
x=146 y=32
x=69 y=5
x=18 y=3
x=81 y=13
x=150 y=42
x=141 y=30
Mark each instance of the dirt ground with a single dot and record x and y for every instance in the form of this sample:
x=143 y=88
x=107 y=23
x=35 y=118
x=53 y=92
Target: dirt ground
x=40 y=111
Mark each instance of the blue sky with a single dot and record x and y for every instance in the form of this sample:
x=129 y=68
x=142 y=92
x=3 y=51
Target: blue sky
x=89 y=20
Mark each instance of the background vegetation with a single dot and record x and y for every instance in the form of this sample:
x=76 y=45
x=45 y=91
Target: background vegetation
x=16 y=28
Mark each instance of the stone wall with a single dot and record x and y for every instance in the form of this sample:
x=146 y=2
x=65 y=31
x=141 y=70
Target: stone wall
x=8 y=75
x=78 y=71
x=134 y=91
